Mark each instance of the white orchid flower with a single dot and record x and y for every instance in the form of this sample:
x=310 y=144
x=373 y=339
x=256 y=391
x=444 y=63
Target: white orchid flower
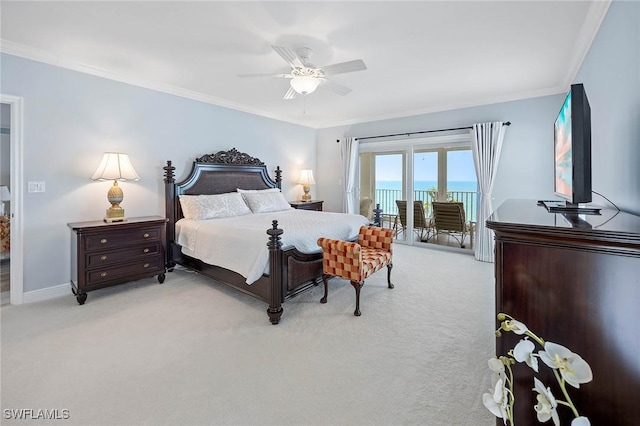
x=496 y=366
x=496 y=400
x=580 y=421
x=523 y=352
x=546 y=406
x=573 y=368
x=515 y=326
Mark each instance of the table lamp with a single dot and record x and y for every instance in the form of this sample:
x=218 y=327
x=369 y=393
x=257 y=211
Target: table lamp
x=306 y=179
x=115 y=166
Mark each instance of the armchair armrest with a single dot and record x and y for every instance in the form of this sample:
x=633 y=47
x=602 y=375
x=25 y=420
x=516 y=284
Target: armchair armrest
x=345 y=248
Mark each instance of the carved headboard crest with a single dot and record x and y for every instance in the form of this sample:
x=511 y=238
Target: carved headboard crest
x=233 y=156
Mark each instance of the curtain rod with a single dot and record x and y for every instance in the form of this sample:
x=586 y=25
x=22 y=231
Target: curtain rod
x=508 y=123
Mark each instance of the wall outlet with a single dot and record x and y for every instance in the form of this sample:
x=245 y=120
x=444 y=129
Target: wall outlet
x=35 y=187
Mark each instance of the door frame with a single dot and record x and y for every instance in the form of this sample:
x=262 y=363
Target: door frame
x=16 y=268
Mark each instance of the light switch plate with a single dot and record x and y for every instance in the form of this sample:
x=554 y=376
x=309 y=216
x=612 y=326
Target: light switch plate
x=35 y=187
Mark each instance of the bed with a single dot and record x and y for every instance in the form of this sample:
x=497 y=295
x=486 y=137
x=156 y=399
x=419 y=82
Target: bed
x=288 y=271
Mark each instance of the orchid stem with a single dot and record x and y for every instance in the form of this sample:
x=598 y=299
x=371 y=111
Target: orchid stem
x=569 y=403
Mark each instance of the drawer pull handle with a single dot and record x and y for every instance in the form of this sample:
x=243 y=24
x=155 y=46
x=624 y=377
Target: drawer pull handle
x=103 y=257
x=146 y=235
x=103 y=241
x=103 y=274
x=146 y=265
x=146 y=250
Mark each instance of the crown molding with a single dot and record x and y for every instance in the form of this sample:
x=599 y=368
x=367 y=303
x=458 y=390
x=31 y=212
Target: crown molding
x=590 y=28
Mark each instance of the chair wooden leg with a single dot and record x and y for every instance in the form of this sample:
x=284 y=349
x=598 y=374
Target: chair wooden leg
x=357 y=286
x=389 y=266
x=325 y=277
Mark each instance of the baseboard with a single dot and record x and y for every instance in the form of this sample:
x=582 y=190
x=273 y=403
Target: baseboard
x=47 y=293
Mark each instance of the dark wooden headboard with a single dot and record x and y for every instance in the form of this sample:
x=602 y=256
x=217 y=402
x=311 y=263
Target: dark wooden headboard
x=219 y=173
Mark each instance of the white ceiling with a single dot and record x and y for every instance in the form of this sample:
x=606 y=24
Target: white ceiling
x=422 y=56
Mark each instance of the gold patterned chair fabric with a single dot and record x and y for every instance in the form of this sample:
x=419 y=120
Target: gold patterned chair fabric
x=357 y=261
x=5 y=234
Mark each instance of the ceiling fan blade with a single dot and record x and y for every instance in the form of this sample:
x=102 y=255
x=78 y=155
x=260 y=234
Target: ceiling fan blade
x=289 y=56
x=342 y=67
x=291 y=94
x=264 y=75
x=334 y=87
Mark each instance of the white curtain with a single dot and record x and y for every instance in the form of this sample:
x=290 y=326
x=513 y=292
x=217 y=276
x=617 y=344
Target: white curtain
x=349 y=167
x=486 y=144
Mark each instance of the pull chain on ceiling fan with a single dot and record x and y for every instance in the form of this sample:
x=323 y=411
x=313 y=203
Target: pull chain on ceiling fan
x=305 y=78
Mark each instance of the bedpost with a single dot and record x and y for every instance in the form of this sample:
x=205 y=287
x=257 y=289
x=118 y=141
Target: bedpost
x=170 y=210
x=275 y=273
x=278 y=177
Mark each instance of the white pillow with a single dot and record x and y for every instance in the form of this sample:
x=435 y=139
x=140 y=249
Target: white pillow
x=257 y=191
x=215 y=206
x=263 y=202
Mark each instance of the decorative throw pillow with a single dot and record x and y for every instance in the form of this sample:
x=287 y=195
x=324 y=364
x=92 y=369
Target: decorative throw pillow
x=215 y=206
x=258 y=191
x=263 y=202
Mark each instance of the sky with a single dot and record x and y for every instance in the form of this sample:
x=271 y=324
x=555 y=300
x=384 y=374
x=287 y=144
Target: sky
x=459 y=166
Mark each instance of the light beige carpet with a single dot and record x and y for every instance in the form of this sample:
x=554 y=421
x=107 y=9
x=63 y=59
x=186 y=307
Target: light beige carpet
x=192 y=352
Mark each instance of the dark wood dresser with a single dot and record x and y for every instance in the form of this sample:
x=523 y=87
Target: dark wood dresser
x=106 y=254
x=307 y=205
x=573 y=280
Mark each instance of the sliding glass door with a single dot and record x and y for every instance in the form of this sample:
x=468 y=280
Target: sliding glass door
x=406 y=177
x=382 y=178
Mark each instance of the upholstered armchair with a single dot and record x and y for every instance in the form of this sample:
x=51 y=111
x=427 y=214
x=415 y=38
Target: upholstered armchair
x=357 y=261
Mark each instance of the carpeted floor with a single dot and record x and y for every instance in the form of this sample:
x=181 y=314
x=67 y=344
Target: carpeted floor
x=192 y=352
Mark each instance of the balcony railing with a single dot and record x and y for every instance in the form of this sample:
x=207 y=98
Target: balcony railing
x=387 y=200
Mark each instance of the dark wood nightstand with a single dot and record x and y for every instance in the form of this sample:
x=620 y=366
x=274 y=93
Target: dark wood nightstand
x=307 y=205
x=106 y=254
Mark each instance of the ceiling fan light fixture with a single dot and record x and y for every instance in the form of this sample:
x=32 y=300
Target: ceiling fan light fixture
x=304 y=84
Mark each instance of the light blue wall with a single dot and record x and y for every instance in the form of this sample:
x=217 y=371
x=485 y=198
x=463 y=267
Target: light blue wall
x=71 y=118
x=611 y=77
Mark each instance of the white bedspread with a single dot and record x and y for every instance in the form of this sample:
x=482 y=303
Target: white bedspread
x=240 y=243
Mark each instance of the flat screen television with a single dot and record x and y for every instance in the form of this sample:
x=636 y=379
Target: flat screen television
x=572 y=152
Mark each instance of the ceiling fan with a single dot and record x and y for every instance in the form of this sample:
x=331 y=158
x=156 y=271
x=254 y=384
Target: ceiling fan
x=305 y=78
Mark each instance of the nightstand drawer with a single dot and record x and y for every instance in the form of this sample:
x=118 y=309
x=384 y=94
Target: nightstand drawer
x=118 y=239
x=140 y=267
x=106 y=258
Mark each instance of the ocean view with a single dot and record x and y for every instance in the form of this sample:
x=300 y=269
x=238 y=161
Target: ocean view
x=423 y=185
x=388 y=191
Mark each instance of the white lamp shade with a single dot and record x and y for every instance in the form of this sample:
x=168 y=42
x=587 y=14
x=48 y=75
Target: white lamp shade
x=305 y=84
x=115 y=166
x=306 y=177
x=5 y=195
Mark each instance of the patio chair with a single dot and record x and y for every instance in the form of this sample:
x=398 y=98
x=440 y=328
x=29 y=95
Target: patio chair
x=420 y=221
x=366 y=208
x=449 y=218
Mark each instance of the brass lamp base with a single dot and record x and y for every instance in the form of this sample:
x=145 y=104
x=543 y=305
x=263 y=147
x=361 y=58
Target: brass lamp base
x=306 y=196
x=115 y=213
